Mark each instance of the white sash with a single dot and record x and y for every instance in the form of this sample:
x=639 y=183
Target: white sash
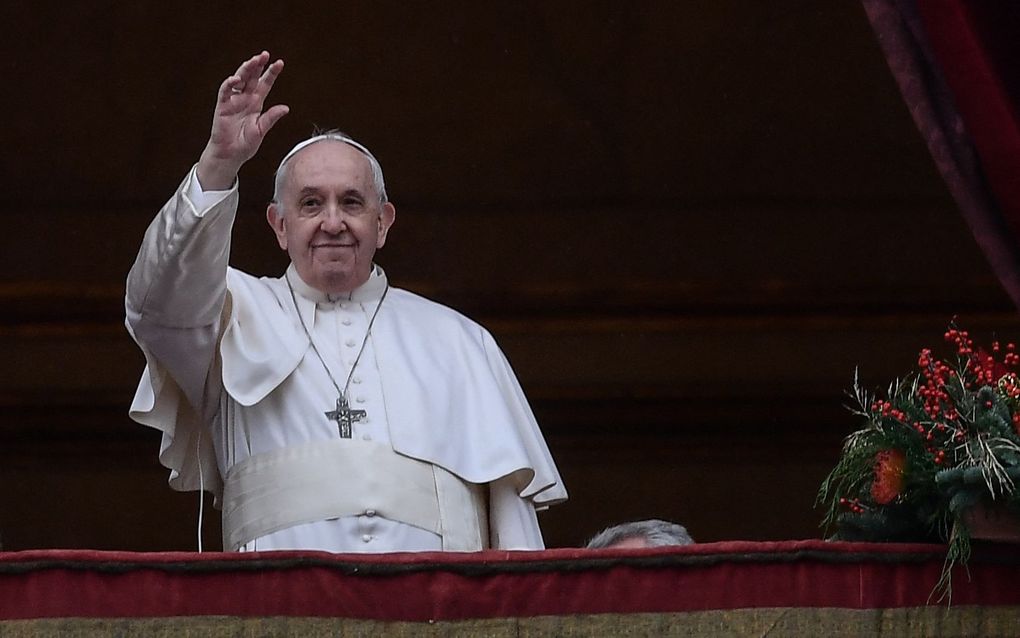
x=345 y=477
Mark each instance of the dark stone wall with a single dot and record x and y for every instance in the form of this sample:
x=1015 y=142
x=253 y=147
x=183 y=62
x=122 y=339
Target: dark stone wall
x=686 y=223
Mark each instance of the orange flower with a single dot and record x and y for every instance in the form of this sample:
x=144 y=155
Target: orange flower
x=888 y=482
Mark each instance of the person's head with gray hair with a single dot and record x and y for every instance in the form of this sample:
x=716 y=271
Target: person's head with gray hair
x=650 y=533
x=336 y=136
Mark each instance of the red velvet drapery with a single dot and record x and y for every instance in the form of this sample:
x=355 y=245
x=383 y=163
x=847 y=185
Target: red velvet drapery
x=956 y=64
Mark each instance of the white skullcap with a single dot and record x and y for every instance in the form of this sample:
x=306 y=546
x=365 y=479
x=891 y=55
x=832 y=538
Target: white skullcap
x=339 y=137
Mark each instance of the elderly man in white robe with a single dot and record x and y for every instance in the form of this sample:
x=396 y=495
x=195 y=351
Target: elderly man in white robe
x=325 y=409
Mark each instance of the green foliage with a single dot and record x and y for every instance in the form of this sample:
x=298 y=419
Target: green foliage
x=942 y=440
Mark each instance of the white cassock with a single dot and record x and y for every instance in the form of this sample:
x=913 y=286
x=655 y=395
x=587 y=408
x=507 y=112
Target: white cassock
x=448 y=449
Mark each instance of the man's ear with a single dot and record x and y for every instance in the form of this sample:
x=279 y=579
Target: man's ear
x=386 y=219
x=275 y=217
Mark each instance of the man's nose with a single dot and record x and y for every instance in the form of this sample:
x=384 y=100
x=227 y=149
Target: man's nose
x=334 y=220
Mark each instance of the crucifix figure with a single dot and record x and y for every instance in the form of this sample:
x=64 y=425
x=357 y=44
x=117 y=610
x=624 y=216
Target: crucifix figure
x=345 y=416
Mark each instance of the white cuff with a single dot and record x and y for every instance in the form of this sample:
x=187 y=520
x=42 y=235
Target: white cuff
x=203 y=200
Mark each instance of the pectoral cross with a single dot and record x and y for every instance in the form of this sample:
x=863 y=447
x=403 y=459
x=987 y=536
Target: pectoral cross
x=345 y=416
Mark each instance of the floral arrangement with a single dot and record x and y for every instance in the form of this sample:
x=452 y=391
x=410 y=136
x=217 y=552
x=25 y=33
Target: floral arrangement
x=943 y=440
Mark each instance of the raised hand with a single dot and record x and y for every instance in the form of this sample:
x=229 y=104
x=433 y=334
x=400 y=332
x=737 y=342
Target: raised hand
x=239 y=124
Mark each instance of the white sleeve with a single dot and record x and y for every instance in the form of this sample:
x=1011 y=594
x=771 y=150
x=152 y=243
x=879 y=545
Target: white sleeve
x=177 y=287
x=513 y=523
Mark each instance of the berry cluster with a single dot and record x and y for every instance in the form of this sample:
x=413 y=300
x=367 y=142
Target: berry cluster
x=886 y=409
x=1009 y=388
x=852 y=504
x=937 y=374
x=1011 y=358
x=964 y=344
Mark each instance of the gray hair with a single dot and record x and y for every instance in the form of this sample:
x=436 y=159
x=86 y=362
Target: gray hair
x=655 y=532
x=338 y=136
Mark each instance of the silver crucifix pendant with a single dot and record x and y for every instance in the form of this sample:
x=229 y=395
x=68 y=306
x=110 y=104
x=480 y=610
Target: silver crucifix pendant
x=345 y=416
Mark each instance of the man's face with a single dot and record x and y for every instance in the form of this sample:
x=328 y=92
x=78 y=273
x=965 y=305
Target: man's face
x=329 y=218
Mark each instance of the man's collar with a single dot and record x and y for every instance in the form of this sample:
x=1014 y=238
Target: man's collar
x=369 y=292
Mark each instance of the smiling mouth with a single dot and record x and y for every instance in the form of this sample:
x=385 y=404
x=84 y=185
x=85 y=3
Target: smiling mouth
x=332 y=245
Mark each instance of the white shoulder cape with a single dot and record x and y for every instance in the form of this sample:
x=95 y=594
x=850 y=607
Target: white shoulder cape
x=427 y=353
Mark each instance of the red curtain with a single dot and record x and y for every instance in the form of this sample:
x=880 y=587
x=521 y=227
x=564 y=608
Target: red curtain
x=956 y=65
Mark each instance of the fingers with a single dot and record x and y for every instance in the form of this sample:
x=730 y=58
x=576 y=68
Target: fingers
x=253 y=77
x=269 y=76
x=229 y=87
x=251 y=68
x=272 y=115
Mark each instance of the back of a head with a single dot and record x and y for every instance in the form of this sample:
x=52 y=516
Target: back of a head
x=653 y=533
